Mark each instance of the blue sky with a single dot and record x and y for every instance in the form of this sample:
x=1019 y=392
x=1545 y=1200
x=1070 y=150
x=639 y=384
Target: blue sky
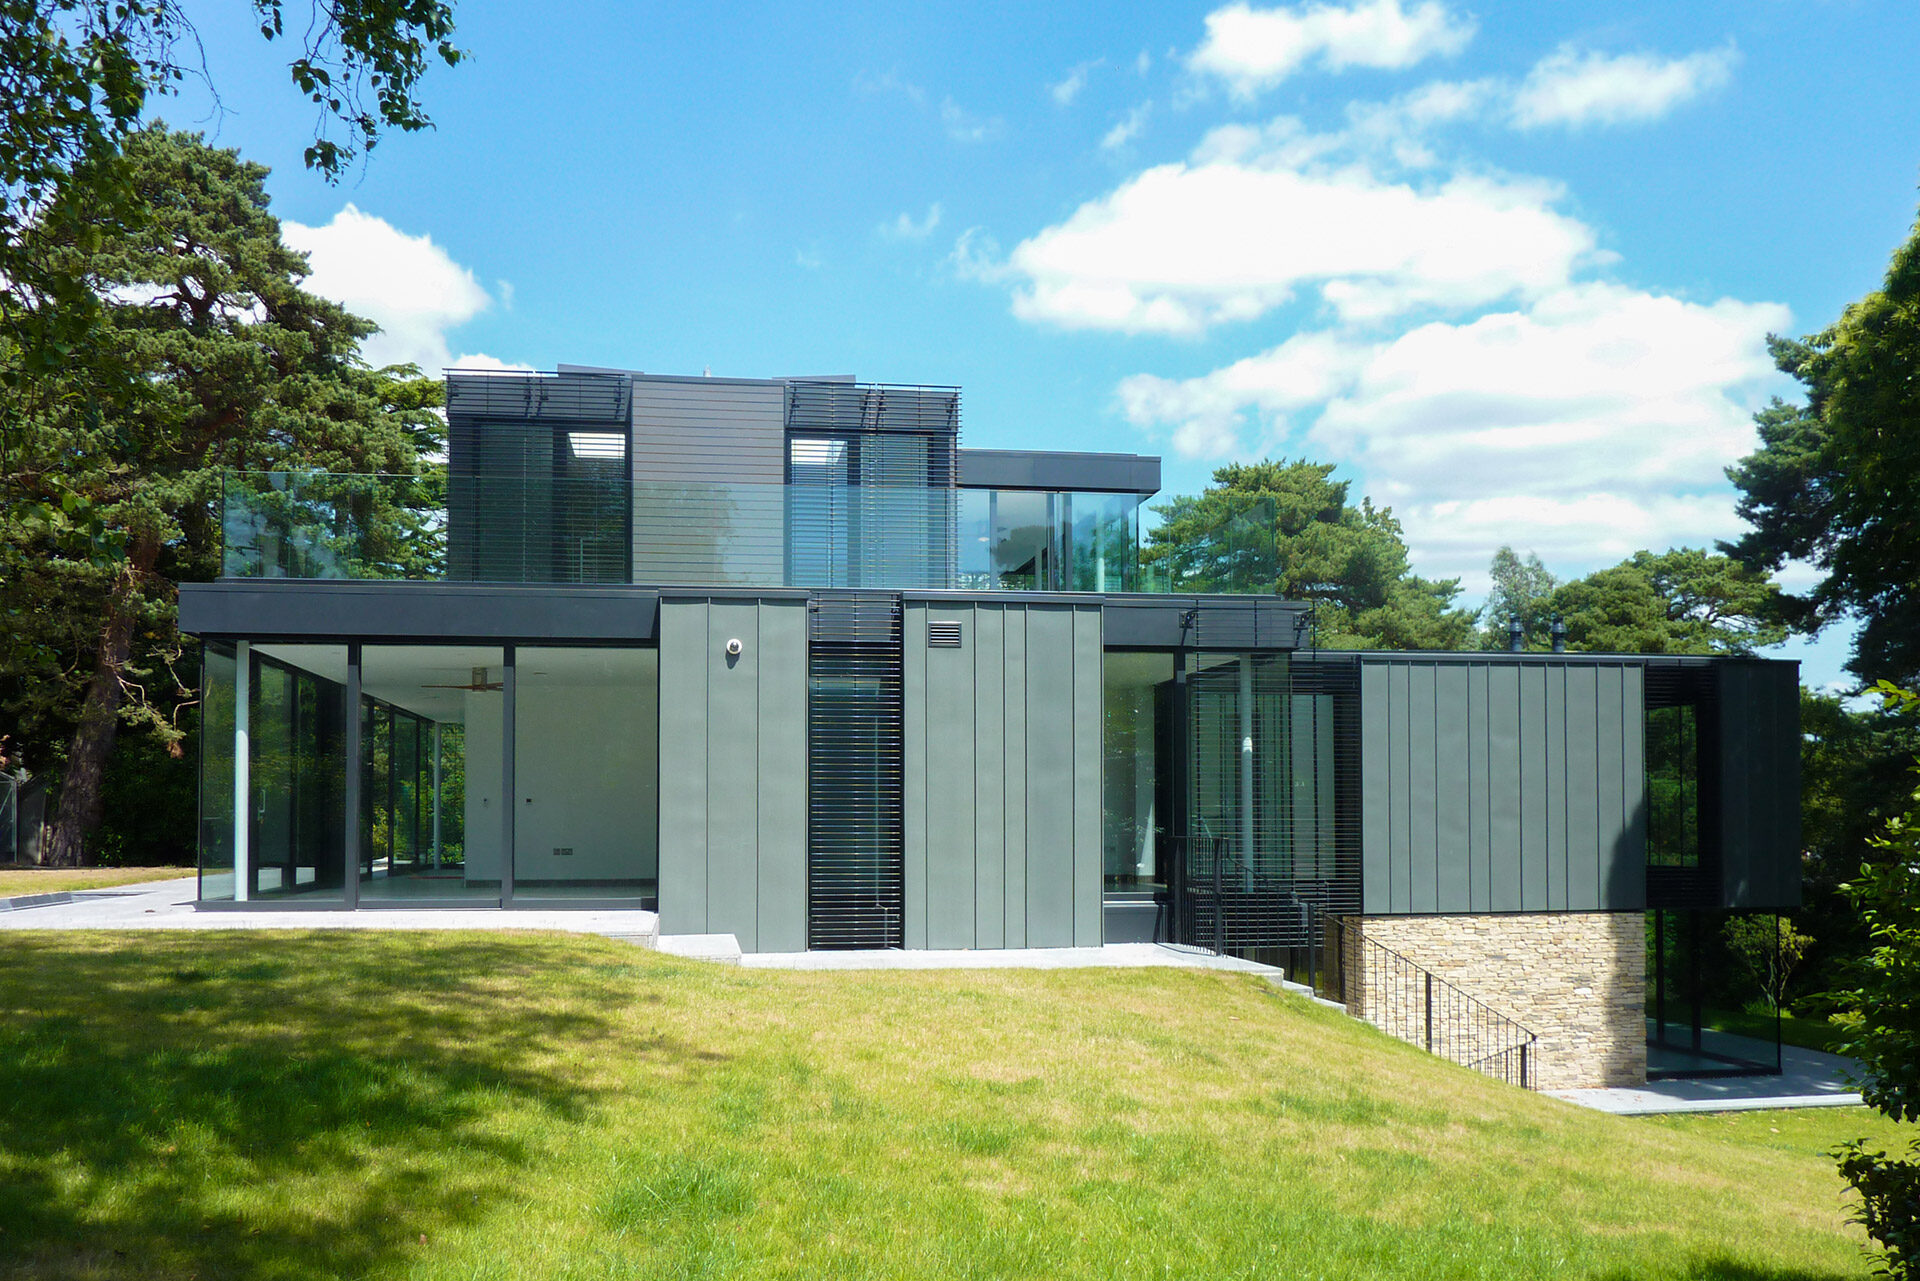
x=1509 y=265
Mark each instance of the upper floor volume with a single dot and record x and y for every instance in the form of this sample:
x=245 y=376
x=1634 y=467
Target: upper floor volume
x=610 y=476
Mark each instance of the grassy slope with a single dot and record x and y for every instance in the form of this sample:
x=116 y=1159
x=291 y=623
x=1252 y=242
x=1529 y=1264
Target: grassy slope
x=421 y=1105
x=17 y=881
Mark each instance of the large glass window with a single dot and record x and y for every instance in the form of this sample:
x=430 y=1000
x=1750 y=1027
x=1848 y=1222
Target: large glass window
x=1035 y=540
x=272 y=739
x=1139 y=739
x=430 y=772
x=586 y=726
x=1673 y=786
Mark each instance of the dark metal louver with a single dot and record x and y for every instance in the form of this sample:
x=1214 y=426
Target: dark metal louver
x=1273 y=820
x=943 y=634
x=856 y=892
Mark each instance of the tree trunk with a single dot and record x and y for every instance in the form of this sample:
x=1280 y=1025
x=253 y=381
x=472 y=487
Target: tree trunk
x=82 y=786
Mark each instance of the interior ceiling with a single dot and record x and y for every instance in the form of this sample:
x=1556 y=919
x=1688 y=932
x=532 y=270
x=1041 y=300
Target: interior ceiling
x=405 y=675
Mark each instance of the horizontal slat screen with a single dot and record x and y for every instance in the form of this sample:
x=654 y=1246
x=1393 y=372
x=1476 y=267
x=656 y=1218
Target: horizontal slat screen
x=856 y=891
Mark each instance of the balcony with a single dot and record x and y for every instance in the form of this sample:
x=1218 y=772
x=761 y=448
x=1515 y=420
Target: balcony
x=604 y=528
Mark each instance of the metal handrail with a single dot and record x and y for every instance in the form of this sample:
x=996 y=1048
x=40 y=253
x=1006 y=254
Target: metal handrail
x=1411 y=1003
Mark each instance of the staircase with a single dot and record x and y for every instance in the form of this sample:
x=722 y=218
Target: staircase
x=1415 y=1005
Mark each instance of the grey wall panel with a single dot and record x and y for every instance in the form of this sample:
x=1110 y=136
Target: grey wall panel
x=1759 y=766
x=1533 y=791
x=913 y=773
x=951 y=782
x=683 y=768
x=1479 y=796
x=1423 y=795
x=1050 y=776
x=1454 y=799
x=1503 y=788
x=1501 y=785
x=708 y=461
x=1583 y=808
x=1003 y=776
x=733 y=770
x=988 y=647
x=733 y=763
x=1556 y=741
x=1376 y=788
x=1400 y=794
x=1623 y=873
x=1089 y=790
x=1014 y=778
x=782 y=807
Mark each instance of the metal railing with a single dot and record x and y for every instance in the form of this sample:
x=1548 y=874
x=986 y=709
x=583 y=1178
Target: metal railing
x=1413 y=1004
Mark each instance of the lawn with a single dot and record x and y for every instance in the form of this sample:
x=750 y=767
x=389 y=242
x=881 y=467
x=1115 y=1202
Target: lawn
x=425 y=1105
x=17 y=880
x=1808 y=1034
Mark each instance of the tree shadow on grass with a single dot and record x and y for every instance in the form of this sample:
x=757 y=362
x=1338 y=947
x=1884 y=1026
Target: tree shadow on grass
x=262 y=1105
x=1723 y=1269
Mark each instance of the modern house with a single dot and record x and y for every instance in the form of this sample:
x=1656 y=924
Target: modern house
x=779 y=659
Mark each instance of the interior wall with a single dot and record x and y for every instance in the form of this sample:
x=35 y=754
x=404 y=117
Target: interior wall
x=587 y=769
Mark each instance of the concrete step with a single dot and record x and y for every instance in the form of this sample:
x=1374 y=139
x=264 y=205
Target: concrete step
x=721 y=948
x=22 y=902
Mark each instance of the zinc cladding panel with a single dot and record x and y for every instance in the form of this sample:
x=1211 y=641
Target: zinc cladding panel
x=988 y=645
x=1501 y=787
x=1003 y=770
x=1759 y=784
x=683 y=767
x=950 y=784
x=1089 y=760
x=1050 y=808
x=782 y=783
x=1014 y=776
x=915 y=819
x=733 y=763
x=709 y=463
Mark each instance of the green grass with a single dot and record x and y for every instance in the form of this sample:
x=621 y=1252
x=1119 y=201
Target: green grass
x=17 y=880
x=337 y=1104
x=1808 y=1034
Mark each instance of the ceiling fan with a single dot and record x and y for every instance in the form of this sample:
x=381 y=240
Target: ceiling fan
x=478 y=684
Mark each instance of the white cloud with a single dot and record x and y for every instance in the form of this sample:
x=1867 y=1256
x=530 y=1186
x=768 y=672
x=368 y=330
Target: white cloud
x=481 y=363
x=1128 y=128
x=1255 y=49
x=808 y=259
x=1258 y=214
x=407 y=285
x=1068 y=89
x=1569 y=87
x=1592 y=422
x=1143 y=63
x=905 y=227
x=964 y=126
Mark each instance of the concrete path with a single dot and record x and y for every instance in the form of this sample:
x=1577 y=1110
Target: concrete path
x=1809 y=1079
x=168 y=905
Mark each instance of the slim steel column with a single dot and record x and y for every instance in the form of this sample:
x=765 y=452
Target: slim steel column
x=242 y=771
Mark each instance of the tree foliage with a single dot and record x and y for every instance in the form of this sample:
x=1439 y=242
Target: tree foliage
x=1682 y=601
x=1522 y=589
x=1836 y=482
x=116 y=486
x=1286 y=528
x=1883 y=1029
x=1769 y=949
x=76 y=77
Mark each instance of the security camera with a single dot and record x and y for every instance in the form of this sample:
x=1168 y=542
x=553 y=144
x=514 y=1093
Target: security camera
x=734 y=648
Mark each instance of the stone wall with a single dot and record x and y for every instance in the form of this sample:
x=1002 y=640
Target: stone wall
x=1577 y=979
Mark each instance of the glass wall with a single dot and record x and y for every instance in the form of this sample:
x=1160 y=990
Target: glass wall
x=1139 y=739
x=430 y=735
x=586 y=768
x=1034 y=540
x=1708 y=1013
x=273 y=735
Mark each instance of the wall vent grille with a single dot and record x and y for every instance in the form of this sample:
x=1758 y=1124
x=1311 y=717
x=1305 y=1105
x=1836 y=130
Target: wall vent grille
x=943 y=634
